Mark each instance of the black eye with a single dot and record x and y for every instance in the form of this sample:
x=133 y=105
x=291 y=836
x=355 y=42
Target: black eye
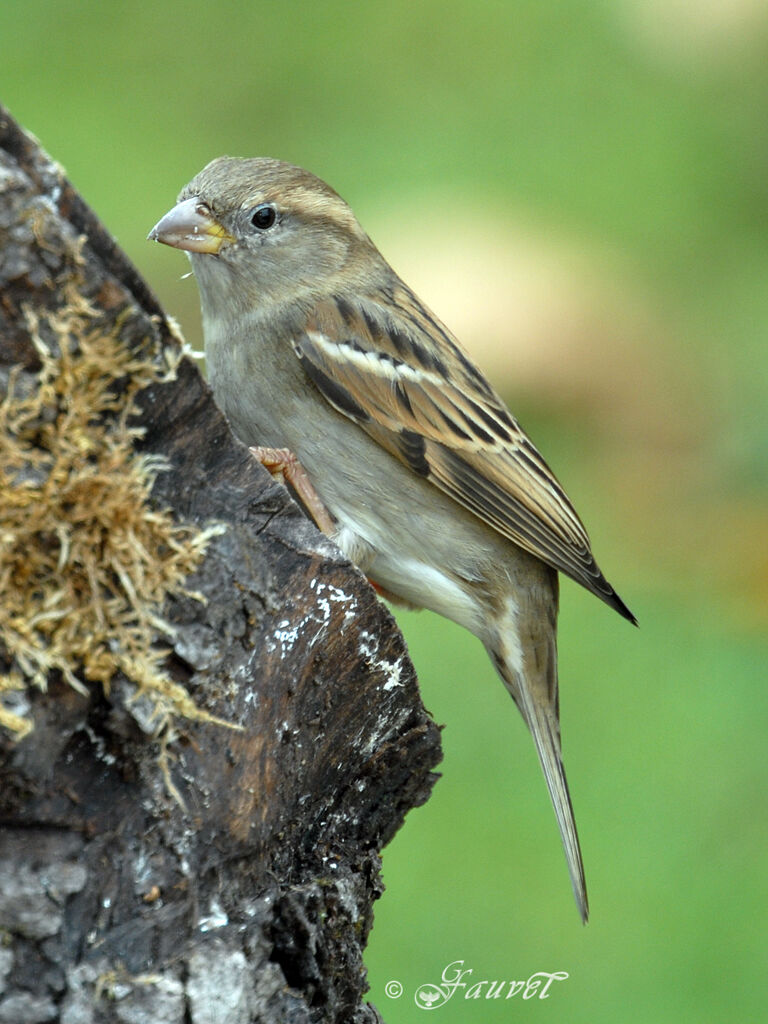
x=264 y=216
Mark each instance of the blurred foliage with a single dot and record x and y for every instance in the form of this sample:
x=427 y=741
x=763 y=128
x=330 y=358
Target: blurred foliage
x=635 y=135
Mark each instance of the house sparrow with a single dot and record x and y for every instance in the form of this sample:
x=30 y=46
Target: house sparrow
x=315 y=345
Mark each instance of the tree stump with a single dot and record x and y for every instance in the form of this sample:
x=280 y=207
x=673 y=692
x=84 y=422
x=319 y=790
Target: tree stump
x=157 y=865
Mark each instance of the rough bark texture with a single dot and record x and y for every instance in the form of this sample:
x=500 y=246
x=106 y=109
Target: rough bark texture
x=255 y=901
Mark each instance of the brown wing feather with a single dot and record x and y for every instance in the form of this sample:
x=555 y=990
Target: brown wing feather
x=436 y=412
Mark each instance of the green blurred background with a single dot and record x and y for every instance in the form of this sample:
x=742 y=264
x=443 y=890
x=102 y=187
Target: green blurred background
x=580 y=189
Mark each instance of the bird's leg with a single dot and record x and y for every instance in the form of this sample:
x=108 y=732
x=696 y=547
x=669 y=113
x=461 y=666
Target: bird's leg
x=283 y=464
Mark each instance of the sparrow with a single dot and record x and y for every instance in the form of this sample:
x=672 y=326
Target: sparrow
x=324 y=359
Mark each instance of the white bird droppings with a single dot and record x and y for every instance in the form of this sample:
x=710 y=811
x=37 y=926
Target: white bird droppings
x=393 y=670
x=285 y=635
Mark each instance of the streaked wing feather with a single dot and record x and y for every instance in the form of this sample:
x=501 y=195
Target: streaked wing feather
x=435 y=412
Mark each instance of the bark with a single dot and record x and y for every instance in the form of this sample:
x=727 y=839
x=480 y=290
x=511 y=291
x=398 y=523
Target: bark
x=252 y=901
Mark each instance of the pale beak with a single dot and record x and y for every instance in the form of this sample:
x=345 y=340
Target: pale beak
x=190 y=225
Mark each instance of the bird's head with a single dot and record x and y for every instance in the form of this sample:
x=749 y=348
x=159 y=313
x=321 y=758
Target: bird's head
x=257 y=228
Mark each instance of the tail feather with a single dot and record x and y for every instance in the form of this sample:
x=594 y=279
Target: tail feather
x=524 y=649
x=542 y=722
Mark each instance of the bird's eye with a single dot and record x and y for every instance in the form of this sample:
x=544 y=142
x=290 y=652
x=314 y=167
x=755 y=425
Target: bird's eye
x=264 y=216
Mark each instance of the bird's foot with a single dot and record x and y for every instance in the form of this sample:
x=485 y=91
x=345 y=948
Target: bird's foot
x=283 y=464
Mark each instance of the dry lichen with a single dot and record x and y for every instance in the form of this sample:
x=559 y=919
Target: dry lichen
x=86 y=561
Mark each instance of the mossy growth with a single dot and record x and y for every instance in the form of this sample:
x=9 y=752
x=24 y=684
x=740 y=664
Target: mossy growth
x=86 y=559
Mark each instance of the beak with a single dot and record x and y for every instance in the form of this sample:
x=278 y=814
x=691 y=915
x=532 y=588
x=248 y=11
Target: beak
x=190 y=226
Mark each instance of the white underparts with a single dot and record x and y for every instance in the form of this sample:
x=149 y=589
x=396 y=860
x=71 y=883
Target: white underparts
x=415 y=581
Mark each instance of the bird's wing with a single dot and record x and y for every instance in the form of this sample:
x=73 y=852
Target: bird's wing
x=434 y=411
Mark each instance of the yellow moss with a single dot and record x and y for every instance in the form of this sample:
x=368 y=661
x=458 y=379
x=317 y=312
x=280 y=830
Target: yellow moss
x=86 y=561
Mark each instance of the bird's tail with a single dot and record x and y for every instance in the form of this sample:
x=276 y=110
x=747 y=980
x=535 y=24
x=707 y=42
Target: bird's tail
x=545 y=729
x=529 y=671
